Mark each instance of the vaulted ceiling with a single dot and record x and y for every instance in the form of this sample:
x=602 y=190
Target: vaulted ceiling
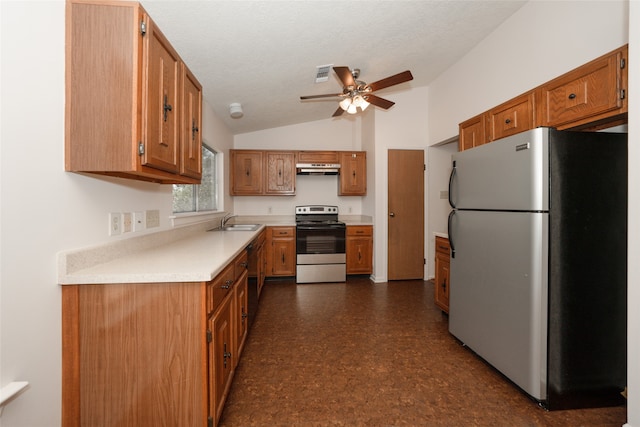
x=264 y=54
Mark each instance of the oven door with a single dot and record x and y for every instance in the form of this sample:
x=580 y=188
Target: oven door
x=320 y=254
x=318 y=239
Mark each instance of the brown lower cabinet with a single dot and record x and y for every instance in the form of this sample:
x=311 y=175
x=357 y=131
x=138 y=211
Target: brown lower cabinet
x=359 y=249
x=281 y=251
x=442 y=279
x=160 y=354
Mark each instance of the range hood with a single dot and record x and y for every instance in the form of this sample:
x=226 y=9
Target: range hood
x=318 y=168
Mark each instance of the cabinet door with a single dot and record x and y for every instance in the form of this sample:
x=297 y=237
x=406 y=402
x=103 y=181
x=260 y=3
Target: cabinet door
x=246 y=172
x=281 y=172
x=281 y=251
x=472 y=133
x=359 y=255
x=283 y=257
x=359 y=250
x=241 y=301
x=353 y=174
x=191 y=137
x=514 y=116
x=221 y=358
x=442 y=281
x=591 y=92
x=160 y=108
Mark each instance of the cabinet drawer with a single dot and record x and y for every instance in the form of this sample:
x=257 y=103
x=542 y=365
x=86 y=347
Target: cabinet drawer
x=240 y=265
x=442 y=245
x=514 y=116
x=359 y=230
x=586 y=93
x=318 y=157
x=282 y=232
x=219 y=288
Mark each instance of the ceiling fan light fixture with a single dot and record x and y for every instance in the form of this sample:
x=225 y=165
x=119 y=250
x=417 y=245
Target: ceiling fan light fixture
x=352 y=109
x=364 y=105
x=235 y=110
x=345 y=104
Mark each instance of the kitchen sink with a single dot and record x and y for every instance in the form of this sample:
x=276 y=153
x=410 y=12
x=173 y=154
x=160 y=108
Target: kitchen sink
x=238 y=227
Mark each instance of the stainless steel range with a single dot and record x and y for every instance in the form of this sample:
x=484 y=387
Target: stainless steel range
x=320 y=245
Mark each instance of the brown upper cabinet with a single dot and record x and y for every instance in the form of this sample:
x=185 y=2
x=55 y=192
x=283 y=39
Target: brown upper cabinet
x=327 y=157
x=257 y=173
x=281 y=173
x=590 y=97
x=591 y=94
x=472 y=132
x=133 y=108
x=512 y=117
x=353 y=173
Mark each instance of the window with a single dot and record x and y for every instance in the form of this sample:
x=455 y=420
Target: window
x=202 y=197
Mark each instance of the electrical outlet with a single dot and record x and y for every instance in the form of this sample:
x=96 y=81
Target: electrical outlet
x=126 y=222
x=139 y=221
x=153 y=218
x=115 y=223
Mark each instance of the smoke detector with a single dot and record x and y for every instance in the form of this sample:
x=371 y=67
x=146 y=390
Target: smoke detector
x=235 y=110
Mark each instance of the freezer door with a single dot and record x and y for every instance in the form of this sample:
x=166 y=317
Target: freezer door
x=508 y=174
x=498 y=294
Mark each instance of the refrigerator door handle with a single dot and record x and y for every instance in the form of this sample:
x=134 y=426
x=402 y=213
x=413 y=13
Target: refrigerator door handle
x=453 y=173
x=451 y=245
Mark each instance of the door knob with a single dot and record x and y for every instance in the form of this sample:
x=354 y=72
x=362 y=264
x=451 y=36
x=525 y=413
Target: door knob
x=391 y=214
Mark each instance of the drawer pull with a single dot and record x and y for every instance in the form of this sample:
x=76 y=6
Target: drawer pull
x=507 y=121
x=244 y=264
x=444 y=248
x=572 y=96
x=227 y=284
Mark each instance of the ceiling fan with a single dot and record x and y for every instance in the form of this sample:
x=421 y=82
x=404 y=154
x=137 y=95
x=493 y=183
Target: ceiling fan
x=356 y=93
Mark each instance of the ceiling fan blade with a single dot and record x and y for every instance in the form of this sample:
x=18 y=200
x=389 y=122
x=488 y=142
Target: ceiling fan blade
x=379 y=102
x=345 y=76
x=405 y=76
x=338 y=112
x=328 y=95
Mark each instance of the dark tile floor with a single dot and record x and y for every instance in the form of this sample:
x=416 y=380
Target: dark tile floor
x=364 y=354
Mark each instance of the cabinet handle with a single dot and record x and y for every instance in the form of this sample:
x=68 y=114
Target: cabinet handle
x=572 y=96
x=507 y=121
x=227 y=284
x=194 y=129
x=244 y=264
x=444 y=284
x=247 y=172
x=283 y=258
x=354 y=174
x=167 y=107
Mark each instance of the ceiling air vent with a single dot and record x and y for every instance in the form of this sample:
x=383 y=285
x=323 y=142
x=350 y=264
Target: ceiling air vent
x=322 y=73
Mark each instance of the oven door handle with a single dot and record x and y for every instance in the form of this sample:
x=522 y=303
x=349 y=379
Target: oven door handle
x=322 y=227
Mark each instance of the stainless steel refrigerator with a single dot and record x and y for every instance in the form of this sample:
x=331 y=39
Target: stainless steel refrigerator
x=538 y=262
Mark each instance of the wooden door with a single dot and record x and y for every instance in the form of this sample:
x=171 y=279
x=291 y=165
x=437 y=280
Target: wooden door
x=406 y=214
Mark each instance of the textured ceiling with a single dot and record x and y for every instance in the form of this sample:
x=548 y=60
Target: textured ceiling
x=263 y=54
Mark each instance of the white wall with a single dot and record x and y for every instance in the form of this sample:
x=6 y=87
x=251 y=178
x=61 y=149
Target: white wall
x=44 y=209
x=633 y=242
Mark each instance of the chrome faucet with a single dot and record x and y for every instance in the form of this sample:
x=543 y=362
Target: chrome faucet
x=226 y=219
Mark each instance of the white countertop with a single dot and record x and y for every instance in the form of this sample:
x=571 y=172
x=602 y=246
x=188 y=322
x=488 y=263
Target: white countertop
x=194 y=258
